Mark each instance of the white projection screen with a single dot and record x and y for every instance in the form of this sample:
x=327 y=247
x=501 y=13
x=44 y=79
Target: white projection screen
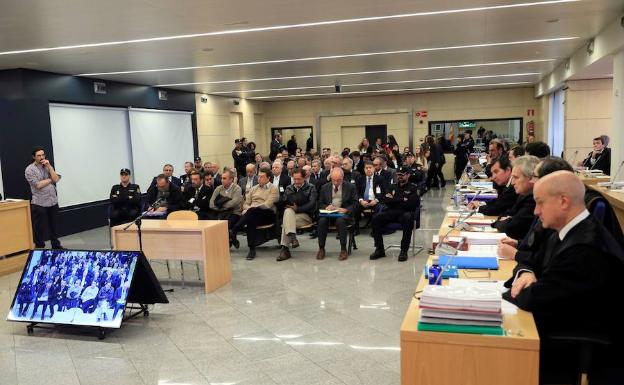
x=91 y=144
x=159 y=137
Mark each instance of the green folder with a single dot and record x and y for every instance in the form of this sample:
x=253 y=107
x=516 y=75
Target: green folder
x=468 y=329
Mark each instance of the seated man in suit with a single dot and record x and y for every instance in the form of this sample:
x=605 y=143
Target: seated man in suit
x=517 y=221
x=401 y=201
x=125 y=199
x=580 y=265
x=599 y=158
x=186 y=177
x=380 y=170
x=501 y=176
x=197 y=196
x=371 y=190
x=341 y=197
x=164 y=197
x=258 y=209
x=350 y=175
x=250 y=179
x=278 y=178
x=226 y=202
x=495 y=150
x=168 y=173
x=299 y=209
x=524 y=249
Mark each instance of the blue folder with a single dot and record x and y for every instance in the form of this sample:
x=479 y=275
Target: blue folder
x=471 y=262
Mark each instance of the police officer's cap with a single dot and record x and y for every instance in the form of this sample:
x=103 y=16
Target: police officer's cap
x=403 y=170
x=124 y=171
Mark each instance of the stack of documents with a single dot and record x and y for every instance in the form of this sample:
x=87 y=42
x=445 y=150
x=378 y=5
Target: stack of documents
x=461 y=309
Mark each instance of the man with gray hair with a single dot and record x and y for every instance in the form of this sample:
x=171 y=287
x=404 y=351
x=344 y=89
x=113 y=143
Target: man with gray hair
x=338 y=198
x=226 y=202
x=581 y=265
x=250 y=179
x=516 y=221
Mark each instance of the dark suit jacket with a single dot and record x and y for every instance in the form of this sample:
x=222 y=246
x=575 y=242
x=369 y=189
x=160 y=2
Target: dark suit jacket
x=378 y=182
x=386 y=175
x=349 y=196
x=243 y=182
x=175 y=180
x=284 y=181
x=520 y=219
x=174 y=201
x=504 y=202
x=582 y=270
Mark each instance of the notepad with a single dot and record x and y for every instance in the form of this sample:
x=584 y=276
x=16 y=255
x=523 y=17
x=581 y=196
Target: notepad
x=471 y=262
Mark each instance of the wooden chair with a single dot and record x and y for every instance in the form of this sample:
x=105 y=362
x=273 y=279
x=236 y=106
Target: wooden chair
x=183 y=215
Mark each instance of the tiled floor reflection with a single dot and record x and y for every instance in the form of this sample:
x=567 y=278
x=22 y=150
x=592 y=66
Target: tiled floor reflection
x=301 y=321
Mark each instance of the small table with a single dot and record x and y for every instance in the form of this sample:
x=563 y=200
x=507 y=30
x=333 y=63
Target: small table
x=16 y=237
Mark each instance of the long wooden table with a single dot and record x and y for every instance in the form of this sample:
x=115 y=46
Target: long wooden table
x=205 y=241
x=16 y=237
x=455 y=358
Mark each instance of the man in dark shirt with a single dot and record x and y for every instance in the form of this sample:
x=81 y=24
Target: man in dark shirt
x=168 y=174
x=599 y=158
x=125 y=199
x=186 y=177
x=401 y=201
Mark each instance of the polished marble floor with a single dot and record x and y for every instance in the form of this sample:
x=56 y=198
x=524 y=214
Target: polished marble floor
x=296 y=322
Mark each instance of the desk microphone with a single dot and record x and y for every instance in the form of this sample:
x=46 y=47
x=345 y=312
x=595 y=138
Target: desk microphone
x=443 y=247
x=614 y=182
x=574 y=158
x=157 y=203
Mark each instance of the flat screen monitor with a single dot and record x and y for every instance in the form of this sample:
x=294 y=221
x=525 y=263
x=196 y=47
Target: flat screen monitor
x=74 y=287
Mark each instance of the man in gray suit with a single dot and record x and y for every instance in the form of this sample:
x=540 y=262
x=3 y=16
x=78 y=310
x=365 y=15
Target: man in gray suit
x=340 y=197
x=250 y=180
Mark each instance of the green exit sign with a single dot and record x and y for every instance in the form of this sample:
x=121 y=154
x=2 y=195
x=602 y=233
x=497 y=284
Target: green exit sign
x=467 y=125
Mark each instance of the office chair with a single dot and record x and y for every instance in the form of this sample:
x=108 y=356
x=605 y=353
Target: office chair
x=394 y=226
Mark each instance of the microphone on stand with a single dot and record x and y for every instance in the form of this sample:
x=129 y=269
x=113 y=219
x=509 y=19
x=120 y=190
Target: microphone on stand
x=614 y=183
x=443 y=247
x=574 y=158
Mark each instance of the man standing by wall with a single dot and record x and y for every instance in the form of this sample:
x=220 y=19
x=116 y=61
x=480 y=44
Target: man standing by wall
x=42 y=179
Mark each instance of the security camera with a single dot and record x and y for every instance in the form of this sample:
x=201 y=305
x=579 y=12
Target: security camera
x=236 y=102
x=204 y=99
x=338 y=88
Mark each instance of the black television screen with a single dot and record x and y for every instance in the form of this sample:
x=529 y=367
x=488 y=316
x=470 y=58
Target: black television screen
x=74 y=287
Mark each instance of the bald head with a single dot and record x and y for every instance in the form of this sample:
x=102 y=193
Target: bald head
x=337 y=175
x=564 y=183
x=559 y=198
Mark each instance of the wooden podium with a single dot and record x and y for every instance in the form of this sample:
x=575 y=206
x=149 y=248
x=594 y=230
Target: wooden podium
x=205 y=241
x=16 y=238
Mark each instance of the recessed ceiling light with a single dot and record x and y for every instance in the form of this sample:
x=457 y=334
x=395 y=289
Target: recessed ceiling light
x=552 y=20
x=398 y=70
x=394 y=90
x=376 y=83
x=243 y=22
x=207 y=49
x=363 y=54
x=288 y=26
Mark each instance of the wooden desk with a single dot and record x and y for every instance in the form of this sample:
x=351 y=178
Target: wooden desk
x=205 y=241
x=16 y=237
x=588 y=181
x=455 y=358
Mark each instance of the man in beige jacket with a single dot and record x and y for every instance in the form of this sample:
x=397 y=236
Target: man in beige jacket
x=258 y=209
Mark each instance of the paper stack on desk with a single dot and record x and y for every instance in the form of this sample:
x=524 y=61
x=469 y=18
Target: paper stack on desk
x=461 y=309
x=475 y=238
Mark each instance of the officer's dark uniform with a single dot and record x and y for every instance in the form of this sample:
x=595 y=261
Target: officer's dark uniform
x=125 y=202
x=399 y=209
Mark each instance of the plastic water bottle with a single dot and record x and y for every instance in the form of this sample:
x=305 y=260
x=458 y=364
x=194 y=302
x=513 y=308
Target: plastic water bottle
x=435 y=271
x=456 y=197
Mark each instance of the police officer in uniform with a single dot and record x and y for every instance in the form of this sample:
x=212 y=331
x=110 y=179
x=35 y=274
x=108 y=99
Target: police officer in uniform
x=417 y=175
x=125 y=199
x=401 y=201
